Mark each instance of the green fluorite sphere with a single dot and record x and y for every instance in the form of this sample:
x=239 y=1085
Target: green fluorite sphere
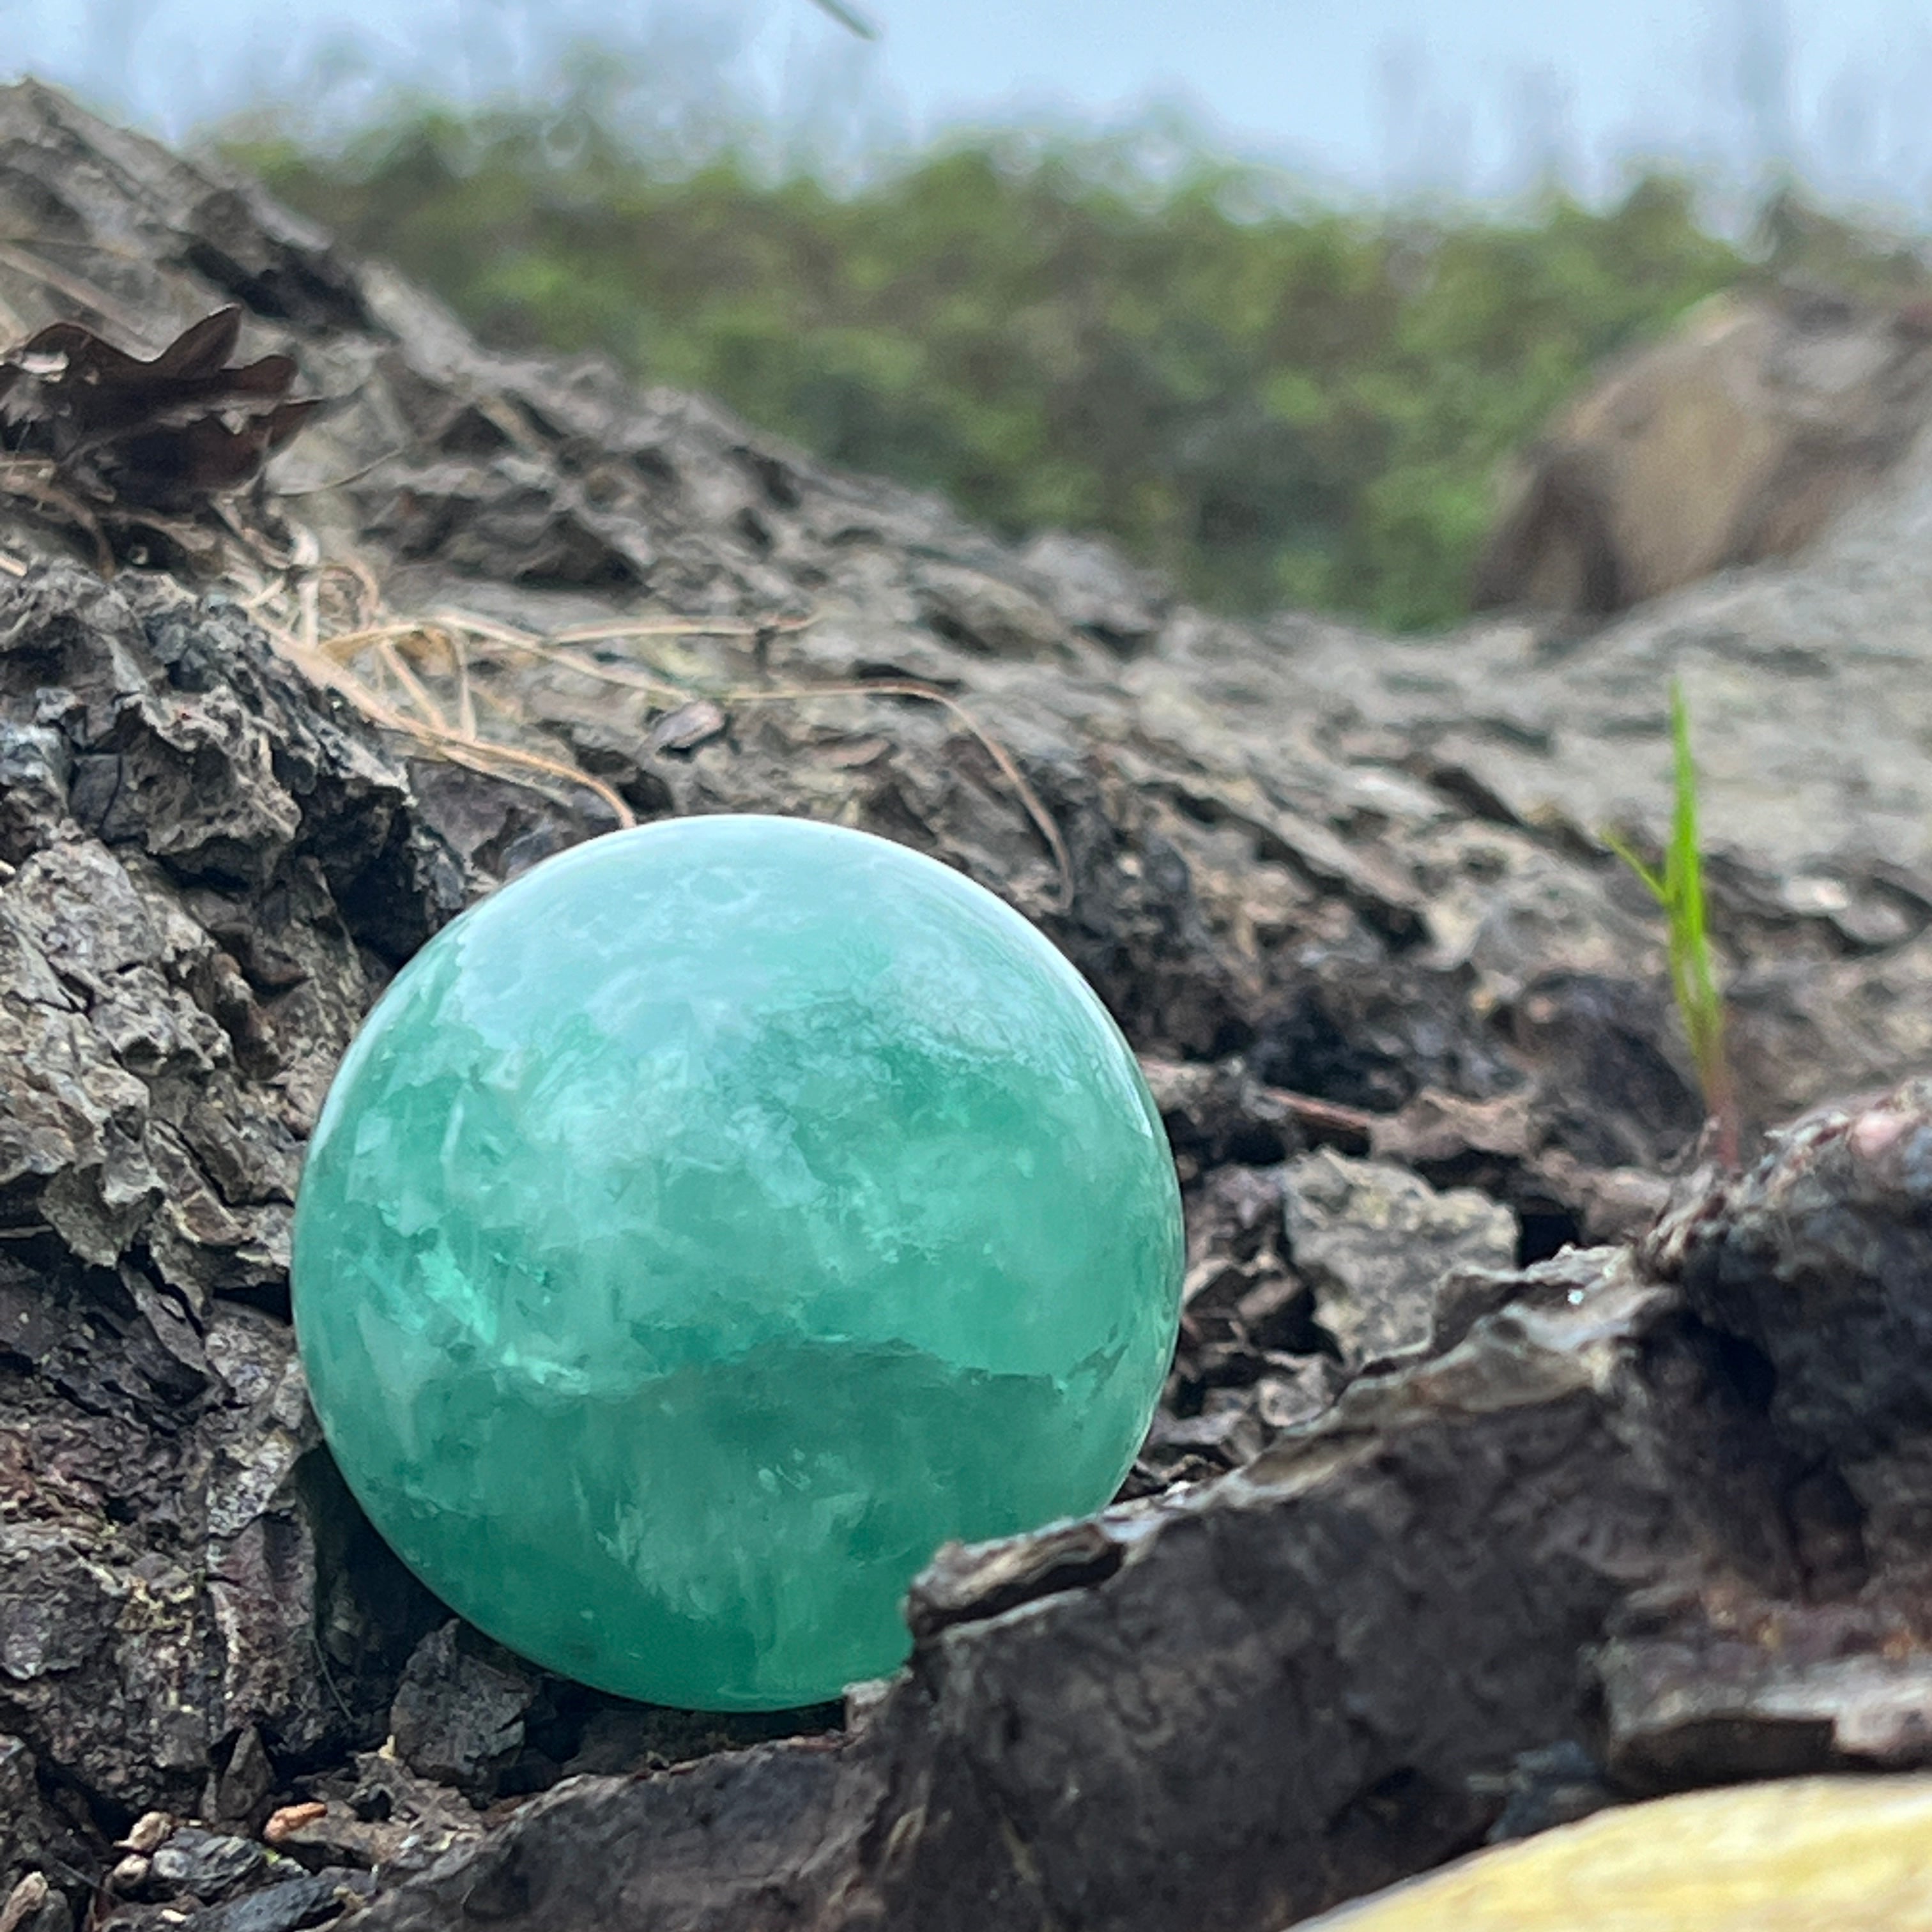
x=705 y=1228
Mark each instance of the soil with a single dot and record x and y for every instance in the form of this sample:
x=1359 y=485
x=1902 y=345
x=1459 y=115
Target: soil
x=1513 y=1462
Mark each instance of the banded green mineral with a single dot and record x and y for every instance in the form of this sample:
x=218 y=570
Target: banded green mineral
x=706 y=1227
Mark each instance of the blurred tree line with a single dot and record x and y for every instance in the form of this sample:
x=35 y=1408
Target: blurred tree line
x=1276 y=401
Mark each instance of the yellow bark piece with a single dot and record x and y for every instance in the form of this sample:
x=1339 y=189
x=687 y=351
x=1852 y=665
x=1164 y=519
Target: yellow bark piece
x=1807 y=1855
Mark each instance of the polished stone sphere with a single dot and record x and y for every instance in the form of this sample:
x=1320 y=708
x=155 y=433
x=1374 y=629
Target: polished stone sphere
x=708 y=1225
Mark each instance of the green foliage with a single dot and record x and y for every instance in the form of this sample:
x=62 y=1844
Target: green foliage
x=1797 y=242
x=1275 y=400
x=1678 y=888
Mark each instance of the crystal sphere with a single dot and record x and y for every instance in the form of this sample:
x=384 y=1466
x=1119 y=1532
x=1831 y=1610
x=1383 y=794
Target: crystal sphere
x=706 y=1227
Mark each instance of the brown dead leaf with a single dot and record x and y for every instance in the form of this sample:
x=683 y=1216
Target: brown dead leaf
x=165 y=434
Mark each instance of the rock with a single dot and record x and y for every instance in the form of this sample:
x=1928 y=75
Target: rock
x=1760 y=1690
x=1816 y=1854
x=1816 y=1265
x=1377 y=1245
x=209 y=1864
x=34 y=1906
x=1297 y=1392
x=129 y=1878
x=37 y=1834
x=1555 y=1786
x=285 y=1907
x=459 y=1711
x=1096 y=590
x=630 y=1738
x=982 y=615
x=248 y=1781
x=205 y=1863
x=1738 y=437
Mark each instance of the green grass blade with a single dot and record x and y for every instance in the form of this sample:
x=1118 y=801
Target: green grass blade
x=1678 y=888
x=1653 y=881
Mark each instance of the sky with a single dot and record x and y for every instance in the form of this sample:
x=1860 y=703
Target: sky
x=1382 y=96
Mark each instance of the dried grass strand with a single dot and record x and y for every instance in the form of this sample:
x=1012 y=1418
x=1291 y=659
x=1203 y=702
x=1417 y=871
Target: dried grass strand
x=449 y=628
x=466 y=702
x=477 y=754
x=1029 y=800
x=24 y=261
x=393 y=661
x=33 y=481
x=341 y=482
x=619 y=628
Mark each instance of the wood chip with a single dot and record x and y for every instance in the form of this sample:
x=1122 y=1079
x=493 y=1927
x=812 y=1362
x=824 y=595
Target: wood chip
x=291 y=1818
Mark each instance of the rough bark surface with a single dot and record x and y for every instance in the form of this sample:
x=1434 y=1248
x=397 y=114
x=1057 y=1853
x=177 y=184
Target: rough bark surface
x=200 y=869
x=1434 y=1532
x=1234 y=1705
